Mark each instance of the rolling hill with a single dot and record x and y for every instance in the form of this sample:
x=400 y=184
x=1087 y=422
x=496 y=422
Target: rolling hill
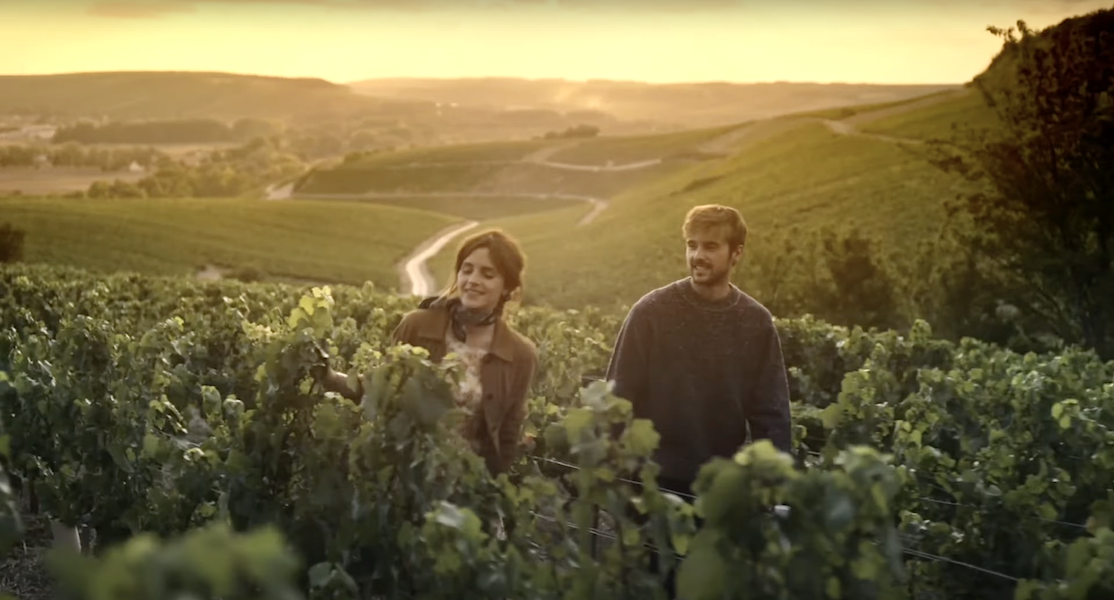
x=319 y=107
x=599 y=217
x=176 y=95
x=687 y=105
x=787 y=176
x=296 y=241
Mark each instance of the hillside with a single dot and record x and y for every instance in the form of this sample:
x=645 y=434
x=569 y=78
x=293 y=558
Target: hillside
x=165 y=95
x=788 y=176
x=539 y=175
x=688 y=105
x=207 y=238
x=31 y=106
x=603 y=213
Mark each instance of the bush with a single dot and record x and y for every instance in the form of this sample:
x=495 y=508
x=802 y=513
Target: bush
x=11 y=243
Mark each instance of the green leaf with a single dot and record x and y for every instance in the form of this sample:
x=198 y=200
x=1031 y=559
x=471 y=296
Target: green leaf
x=641 y=437
x=681 y=542
x=320 y=574
x=577 y=420
x=704 y=573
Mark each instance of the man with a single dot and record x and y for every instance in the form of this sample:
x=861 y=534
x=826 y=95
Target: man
x=701 y=359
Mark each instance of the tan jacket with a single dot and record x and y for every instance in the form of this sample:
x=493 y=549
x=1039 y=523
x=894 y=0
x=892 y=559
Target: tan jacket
x=506 y=375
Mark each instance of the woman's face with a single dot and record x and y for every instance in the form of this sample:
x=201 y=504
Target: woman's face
x=480 y=284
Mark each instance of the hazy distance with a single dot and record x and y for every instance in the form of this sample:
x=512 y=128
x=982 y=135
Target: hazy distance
x=862 y=41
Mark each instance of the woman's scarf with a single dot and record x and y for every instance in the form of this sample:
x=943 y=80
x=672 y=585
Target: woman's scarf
x=460 y=317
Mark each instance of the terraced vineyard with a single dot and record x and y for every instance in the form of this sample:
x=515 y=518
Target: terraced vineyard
x=173 y=408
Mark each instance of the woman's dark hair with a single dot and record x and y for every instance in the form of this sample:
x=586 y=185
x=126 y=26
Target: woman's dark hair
x=505 y=254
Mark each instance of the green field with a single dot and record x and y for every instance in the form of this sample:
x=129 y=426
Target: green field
x=319 y=241
x=808 y=177
x=473 y=208
x=621 y=150
x=522 y=178
x=802 y=175
x=846 y=112
x=937 y=120
x=492 y=151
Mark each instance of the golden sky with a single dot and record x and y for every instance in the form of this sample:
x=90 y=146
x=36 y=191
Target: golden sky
x=874 y=41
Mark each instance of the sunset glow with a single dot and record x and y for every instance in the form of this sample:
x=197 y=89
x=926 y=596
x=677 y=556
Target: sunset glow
x=658 y=41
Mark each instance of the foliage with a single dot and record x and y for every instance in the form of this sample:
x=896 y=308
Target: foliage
x=160 y=406
x=247 y=168
x=75 y=155
x=574 y=132
x=173 y=131
x=208 y=562
x=11 y=243
x=839 y=275
x=11 y=526
x=1043 y=213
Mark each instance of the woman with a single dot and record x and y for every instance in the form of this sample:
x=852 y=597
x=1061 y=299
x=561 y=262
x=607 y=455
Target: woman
x=466 y=323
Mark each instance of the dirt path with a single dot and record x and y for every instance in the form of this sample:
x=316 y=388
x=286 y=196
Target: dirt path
x=414 y=269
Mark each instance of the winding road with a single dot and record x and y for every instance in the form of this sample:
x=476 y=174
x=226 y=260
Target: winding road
x=414 y=269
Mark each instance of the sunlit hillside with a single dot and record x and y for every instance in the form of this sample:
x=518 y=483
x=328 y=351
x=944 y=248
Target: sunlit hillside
x=805 y=172
x=324 y=242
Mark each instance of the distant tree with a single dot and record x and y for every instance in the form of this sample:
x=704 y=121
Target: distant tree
x=11 y=243
x=864 y=290
x=576 y=131
x=1043 y=219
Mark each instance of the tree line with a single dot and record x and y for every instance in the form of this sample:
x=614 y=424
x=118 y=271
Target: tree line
x=170 y=131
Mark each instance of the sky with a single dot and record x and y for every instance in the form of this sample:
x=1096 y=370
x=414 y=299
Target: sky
x=658 y=41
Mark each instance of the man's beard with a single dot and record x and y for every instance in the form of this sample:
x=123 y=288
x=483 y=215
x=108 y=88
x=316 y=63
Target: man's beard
x=710 y=275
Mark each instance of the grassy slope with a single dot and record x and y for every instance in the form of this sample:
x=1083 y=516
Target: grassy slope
x=845 y=112
x=937 y=120
x=329 y=241
x=480 y=209
x=508 y=150
x=628 y=149
x=360 y=178
x=807 y=176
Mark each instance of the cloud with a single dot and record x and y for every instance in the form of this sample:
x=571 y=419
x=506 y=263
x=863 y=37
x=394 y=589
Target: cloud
x=139 y=10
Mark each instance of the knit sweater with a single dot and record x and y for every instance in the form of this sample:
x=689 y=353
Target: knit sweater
x=702 y=371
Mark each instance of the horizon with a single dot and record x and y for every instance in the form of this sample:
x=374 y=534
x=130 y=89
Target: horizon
x=659 y=42
x=481 y=78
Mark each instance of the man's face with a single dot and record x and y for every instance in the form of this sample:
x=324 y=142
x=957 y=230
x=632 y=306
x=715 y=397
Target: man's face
x=709 y=255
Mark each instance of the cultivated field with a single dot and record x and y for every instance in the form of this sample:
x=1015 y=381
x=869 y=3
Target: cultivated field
x=615 y=232
x=307 y=240
x=807 y=176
